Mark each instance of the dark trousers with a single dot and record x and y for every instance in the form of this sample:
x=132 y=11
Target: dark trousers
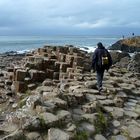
x=100 y=75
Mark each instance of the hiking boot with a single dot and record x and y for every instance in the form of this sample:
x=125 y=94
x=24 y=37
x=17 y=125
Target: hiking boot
x=100 y=89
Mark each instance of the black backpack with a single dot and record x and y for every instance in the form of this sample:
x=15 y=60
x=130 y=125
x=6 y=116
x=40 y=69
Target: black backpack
x=105 y=59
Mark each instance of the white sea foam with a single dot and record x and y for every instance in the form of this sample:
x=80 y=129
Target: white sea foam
x=88 y=49
x=23 y=51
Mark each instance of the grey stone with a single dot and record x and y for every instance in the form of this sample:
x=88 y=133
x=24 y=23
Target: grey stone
x=90 y=97
x=57 y=134
x=89 y=117
x=100 y=97
x=64 y=116
x=49 y=119
x=90 y=107
x=89 y=128
x=108 y=109
x=34 y=136
x=99 y=137
x=32 y=101
x=16 y=135
x=133 y=131
x=118 y=112
x=119 y=137
x=116 y=123
x=77 y=111
x=71 y=127
x=106 y=102
x=59 y=103
x=91 y=84
x=131 y=114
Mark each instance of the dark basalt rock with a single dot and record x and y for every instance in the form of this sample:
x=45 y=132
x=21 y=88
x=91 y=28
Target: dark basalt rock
x=134 y=64
x=117 y=56
x=127 y=45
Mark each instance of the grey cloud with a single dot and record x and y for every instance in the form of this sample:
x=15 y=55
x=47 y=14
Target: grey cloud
x=69 y=16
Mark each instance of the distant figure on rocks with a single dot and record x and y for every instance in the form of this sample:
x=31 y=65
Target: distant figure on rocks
x=133 y=34
x=101 y=61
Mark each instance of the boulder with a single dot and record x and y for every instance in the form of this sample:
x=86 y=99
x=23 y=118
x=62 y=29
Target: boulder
x=100 y=137
x=133 y=131
x=119 y=137
x=32 y=101
x=34 y=136
x=117 y=56
x=89 y=128
x=64 y=116
x=57 y=134
x=123 y=63
x=49 y=120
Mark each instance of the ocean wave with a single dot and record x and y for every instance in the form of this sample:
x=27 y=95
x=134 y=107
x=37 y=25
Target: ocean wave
x=24 y=51
x=88 y=49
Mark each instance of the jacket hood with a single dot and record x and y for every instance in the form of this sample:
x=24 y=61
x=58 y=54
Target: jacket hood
x=101 y=47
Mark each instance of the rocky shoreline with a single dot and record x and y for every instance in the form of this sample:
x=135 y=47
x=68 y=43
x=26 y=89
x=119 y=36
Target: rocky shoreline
x=50 y=94
x=130 y=45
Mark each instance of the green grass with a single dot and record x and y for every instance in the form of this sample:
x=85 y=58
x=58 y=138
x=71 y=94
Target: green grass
x=81 y=135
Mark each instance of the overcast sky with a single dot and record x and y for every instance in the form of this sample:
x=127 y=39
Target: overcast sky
x=69 y=17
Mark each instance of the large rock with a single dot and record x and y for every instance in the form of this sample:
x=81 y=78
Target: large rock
x=16 y=135
x=37 y=76
x=20 y=75
x=49 y=120
x=34 y=136
x=123 y=63
x=127 y=45
x=100 y=137
x=133 y=132
x=119 y=137
x=57 y=134
x=19 y=87
x=134 y=64
x=117 y=56
x=89 y=128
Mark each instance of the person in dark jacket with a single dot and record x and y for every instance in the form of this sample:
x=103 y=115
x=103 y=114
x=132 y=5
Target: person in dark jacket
x=97 y=63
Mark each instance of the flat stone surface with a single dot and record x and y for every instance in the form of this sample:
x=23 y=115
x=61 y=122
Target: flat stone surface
x=57 y=134
x=91 y=97
x=99 y=137
x=118 y=112
x=49 y=119
x=108 y=109
x=134 y=132
x=89 y=117
x=64 y=116
x=89 y=128
x=100 y=97
x=119 y=137
x=131 y=114
x=116 y=123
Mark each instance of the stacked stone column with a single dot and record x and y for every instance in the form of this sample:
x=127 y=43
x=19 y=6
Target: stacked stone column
x=50 y=62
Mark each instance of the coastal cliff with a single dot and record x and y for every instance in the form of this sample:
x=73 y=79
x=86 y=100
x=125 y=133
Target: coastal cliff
x=50 y=94
x=130 y=45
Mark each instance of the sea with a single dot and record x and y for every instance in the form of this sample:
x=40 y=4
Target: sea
x=21 y=44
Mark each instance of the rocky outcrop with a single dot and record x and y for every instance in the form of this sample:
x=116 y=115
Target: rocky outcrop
x=69 y=108
x=118 y=56
x=50 y=62
x=134 y=64
x=127 y=45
